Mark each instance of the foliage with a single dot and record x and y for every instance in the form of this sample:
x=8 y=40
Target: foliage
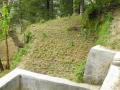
x=95 y=10
x=18 y=56
x=80 y=71
x=36 y=10
x=28 y=37
x=76 y=6
x=5 y=19
x=65 y=8
x=57 y=50
x=5 y=28
x=104 y=30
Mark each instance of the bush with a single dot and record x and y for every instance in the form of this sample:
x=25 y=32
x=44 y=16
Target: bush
x=95 y=13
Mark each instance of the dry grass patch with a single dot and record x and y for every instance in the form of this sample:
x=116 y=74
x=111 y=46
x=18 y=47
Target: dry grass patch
x=57 y=50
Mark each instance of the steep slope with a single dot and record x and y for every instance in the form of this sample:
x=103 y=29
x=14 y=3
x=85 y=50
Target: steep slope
x=58 y=48
x=114 y=37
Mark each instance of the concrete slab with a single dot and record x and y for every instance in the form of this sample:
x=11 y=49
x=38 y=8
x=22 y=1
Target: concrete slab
x=24 y=80
x=98 y=63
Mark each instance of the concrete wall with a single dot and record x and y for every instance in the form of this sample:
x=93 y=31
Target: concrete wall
x=34 y=81
x=98 y=63
x=112 y=81
x=11 y=84
x=30 y=83
x=24 y=80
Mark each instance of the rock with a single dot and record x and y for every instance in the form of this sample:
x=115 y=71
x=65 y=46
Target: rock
x=112 y=81
x=98 y=63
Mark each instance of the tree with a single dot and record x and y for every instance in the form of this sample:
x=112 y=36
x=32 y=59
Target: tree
x=66 y=7
x=79 y=6
x=82 y=6
x=5 y=26
x=1 y=66
x=36 y=10
x=49 y=8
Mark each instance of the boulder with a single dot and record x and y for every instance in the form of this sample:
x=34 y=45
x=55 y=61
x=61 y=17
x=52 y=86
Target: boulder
x=112 y=81
x=98 y=63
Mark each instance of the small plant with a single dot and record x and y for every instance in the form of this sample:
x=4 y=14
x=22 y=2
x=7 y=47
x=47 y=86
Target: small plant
x=17 y=57
x=80 y=71
x=104 y=30
x=28 y=37
x=45 y=35
x=72 y=44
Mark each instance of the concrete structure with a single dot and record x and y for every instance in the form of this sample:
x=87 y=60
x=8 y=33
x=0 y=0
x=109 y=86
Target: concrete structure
x=97 y=70
x=25 y=80
x=112 y=81
x=98 y=63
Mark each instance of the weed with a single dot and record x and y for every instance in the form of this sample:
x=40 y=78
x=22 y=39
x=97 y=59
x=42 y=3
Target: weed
x=79 y=72
x=17 y=57
x=28 y=37
x=45 y=35
x=104 y=30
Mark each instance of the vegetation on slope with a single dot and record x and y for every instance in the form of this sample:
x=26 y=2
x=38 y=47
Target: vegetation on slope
x=59 y=47
x=114 y=32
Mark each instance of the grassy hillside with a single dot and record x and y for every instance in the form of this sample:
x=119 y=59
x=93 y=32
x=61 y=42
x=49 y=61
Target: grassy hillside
x=109 y=31
x=59 y=47
x=114 y=36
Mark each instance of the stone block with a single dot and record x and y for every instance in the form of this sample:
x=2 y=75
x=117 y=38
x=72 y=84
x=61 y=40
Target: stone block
x=112 y=81
x=98 y=63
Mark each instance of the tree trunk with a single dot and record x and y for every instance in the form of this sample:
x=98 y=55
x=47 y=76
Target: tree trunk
x=76 y=6
x=13 y=35
x=1 y=66
x=48 y=8
x=81 y=6
x=7 y=52
x=51 y=9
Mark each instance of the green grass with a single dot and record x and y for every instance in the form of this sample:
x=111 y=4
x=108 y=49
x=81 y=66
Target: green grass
x=104 y=30
x=18 y=56
x=79 y=72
